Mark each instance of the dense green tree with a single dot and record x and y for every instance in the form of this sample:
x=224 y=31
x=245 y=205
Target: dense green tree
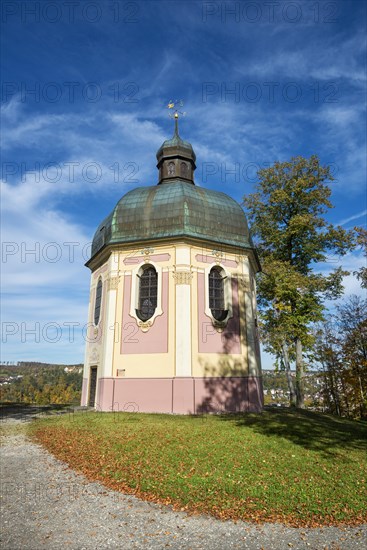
x=328 y=355
x=361 y=238
x=352 y=324
x=341 y=349
x=286 y=213
x=42 y=385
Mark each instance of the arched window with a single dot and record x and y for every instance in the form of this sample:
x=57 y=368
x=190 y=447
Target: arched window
x=97 y=306
x=148 y=292
x=184 y=169
x=216 y=294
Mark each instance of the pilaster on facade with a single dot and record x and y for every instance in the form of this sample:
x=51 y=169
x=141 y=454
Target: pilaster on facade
x=247 y=289
x=182 y=275
x=109 y=326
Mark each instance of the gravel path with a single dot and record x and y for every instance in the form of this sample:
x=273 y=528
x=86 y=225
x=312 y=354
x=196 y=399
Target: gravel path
x=45 y=505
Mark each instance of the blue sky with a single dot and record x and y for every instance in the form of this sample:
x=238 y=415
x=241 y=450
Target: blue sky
x=83 y=106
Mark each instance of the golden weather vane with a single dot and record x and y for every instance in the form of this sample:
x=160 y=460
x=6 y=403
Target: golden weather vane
x=175 y=105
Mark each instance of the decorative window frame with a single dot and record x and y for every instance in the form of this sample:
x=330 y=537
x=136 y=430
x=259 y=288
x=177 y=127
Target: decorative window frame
x=134 y=299
x=228 y=299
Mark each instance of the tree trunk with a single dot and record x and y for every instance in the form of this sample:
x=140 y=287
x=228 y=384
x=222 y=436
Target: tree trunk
x=344 y=394
x=300 y=390
x=334 y=386
x=292 y=393
x=326 y=391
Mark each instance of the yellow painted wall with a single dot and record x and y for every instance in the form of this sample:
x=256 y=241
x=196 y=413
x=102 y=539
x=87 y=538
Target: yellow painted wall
x=163 y=364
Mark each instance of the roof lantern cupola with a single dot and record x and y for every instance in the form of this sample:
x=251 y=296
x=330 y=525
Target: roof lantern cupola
x=176 y=157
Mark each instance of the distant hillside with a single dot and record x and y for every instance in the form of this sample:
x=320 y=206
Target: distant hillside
x=12 y=366
x=40 y=383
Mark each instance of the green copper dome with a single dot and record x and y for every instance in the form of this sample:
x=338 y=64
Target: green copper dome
x=176 y=209
x=177 y=145
x=176 y=141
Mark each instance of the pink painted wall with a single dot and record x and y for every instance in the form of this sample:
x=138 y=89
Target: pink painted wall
x=234 y=394
x=255 y=392
x=206 y=259
x=143 y=395
x=154 y=258
x=183 y=395
x=104 y=396
x=180 y=395
x=210 y=340
x=133 y=339
x=132 y=260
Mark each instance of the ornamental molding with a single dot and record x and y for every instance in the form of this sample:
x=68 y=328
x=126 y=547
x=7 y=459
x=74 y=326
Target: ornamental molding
x=148 y=256
x=113 y=283
x=99 y=271
x=145 y=325
x=218 y=255
x=147 y=253
x=228 y=298
x=219 y=325
x=94 y=356
x=244 y=282
x=182 y=277
x=132 y=260
x=218 y=259
x=240 y=258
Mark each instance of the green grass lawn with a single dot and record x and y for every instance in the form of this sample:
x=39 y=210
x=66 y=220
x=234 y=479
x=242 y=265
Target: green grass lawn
x=300 y=468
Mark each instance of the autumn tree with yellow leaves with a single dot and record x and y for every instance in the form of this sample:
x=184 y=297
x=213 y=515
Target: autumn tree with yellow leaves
x=287 y=217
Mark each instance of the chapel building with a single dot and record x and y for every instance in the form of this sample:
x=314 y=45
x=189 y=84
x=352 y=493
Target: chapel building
x=172 y=314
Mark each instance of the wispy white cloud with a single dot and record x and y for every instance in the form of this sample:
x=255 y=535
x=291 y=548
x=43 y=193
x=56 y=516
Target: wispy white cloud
x=356 y=216
x=27 y=131
x=41 y=247
x=43 y=277
x=316 y=60
x=36 y=207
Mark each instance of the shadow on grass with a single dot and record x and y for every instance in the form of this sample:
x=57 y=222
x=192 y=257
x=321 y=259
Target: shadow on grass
x=313 y=431
x=25 y=412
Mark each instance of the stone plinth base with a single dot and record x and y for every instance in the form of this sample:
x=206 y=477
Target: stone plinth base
x=179 y=395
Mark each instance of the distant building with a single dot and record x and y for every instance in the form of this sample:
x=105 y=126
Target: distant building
x=172 y=313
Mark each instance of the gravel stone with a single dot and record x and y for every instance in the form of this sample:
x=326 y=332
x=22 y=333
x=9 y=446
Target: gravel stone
x=46 y=505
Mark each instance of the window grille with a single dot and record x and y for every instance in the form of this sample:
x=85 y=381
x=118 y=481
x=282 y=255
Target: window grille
x=148 y=291
x=97 y=306
x=216 y=294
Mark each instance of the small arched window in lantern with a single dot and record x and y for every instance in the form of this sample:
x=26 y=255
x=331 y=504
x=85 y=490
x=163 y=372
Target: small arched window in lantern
x=97 y=305
x=171 y=168
x=184 y=170
x=148 y=292
x=216 y=294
